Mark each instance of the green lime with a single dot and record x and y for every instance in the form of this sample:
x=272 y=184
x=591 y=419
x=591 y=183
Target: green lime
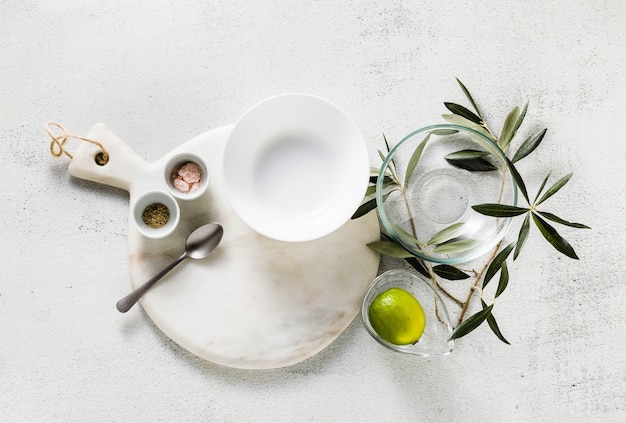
x=397 y=317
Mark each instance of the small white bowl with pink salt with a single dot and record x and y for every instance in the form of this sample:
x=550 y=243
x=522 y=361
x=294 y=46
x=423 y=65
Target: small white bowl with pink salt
x=186 y=176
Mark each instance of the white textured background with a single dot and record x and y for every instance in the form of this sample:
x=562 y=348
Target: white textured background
x=161 y=72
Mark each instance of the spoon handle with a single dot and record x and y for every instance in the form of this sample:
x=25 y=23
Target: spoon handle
x=128 y=301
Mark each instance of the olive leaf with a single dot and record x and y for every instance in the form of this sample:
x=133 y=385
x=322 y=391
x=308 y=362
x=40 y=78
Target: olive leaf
x=529 y=145
x=461 y=121
x=389 y=248
x=507 y=129
x=386 y=143
x=466 y=154
x=392 y=163
x=557 y=219
x=364 y=208
x=386 y=179
x=543 y=184
x=469 y=97
x=475 y=164
x=523 y=235
x=404 y=234
x=451 y=232
x=372 y=188
x=499 y=210
x=415 y=159
x=443 y=131
x=491 y=320
x=409 y=258
x=554 y=188
x=450 y=272
x=367 y=207
x=418 y=266
x=517 y=178
x=496 y=263
x=504 y=279
x=553 y=237
x=455 y=246
x=471 y=323
x=457 y=109
x=511 y=124
x=520 y=119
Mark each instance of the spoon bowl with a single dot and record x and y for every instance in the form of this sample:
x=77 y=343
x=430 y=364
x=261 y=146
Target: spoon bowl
x=204 y=240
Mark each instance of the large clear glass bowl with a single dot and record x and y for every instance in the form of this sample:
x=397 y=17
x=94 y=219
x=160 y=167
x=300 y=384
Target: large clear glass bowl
x=430 y=213
x=434 y=340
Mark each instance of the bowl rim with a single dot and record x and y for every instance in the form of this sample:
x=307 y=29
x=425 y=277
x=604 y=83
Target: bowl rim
x=387 y=224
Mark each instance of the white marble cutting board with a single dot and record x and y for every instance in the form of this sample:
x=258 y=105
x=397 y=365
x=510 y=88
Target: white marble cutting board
x=255 y=302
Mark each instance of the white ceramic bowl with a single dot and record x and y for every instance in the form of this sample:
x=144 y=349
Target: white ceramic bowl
x=295 y=167
x=155 y=197
x=174 y=163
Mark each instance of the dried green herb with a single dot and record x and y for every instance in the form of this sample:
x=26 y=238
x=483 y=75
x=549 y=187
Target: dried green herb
x=155 y=215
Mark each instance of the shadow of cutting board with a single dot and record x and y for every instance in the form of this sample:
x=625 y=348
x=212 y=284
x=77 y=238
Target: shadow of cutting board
x=255 y=303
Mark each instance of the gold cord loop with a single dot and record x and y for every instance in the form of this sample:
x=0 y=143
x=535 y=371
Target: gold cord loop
x=57 y=145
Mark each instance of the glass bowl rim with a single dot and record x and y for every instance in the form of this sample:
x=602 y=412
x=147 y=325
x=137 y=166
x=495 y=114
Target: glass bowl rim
x=470 y=254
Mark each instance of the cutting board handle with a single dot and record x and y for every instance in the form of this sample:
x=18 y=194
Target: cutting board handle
x=121 y=169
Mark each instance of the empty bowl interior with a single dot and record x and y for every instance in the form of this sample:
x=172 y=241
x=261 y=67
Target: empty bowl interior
x=295 y=168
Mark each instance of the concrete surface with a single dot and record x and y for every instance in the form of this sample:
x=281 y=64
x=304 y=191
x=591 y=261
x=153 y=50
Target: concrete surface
x=159 y=73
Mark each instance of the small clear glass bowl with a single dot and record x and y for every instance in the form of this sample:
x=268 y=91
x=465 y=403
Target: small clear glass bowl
x=431 y=215
x=434 y=340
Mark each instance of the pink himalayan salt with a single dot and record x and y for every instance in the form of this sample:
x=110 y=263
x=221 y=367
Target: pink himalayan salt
x=181 y=185
x=190 y=173
x=188 y=178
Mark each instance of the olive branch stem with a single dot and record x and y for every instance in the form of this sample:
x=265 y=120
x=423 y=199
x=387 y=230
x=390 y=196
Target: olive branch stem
x=438 y=286
x=472 y=291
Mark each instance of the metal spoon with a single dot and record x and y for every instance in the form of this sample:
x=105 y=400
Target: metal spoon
x=200 y=244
